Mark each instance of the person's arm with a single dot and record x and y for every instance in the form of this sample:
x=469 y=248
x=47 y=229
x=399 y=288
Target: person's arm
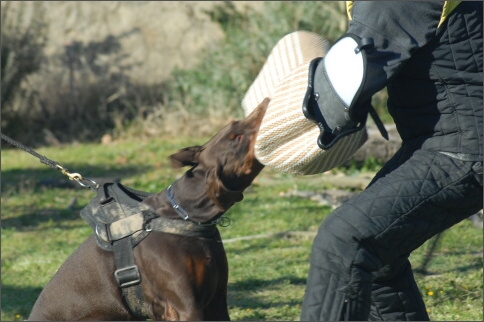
x=381 y=37
x=398 y=29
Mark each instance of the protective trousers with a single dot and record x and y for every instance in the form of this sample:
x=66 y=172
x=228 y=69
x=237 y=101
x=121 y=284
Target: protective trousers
x=359 y=266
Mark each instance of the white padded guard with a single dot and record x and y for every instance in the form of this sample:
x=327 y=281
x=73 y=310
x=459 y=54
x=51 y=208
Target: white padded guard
x=287 y=141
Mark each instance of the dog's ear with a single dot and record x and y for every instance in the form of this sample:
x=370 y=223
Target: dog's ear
x=186 y=157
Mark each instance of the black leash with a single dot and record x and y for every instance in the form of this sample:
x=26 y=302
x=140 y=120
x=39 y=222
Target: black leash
x=84 y=182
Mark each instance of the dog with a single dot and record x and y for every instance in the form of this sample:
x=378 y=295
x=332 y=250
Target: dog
x=182 y=277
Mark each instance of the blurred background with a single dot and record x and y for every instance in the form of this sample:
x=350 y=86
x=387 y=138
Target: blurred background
x=79 y=71
x=168 y=73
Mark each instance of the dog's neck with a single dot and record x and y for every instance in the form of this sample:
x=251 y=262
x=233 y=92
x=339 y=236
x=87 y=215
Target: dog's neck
x=203 y=200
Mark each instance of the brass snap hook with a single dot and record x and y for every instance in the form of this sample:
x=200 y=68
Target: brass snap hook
x=84 y=182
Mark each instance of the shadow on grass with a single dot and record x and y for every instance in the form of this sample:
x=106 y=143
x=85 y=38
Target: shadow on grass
x=252 y=284
x=28 y=221
x=245 y=294
x=474 y=265
x=18 y=301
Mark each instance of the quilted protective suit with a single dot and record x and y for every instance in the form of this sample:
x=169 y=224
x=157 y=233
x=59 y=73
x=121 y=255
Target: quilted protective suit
x=359 y=266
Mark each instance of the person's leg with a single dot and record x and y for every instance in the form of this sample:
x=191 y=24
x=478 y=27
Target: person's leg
x=395 y=295
x=396 y=214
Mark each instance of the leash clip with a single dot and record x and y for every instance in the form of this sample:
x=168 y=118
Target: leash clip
x=84 y=182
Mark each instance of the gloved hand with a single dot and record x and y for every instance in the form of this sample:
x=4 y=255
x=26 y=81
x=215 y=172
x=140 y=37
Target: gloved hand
x=333 y=97
x=322 y=106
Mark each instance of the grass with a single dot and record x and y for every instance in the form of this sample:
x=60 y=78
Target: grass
x=41 y=228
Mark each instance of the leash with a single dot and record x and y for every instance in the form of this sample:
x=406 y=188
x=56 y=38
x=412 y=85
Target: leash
x=83 y=181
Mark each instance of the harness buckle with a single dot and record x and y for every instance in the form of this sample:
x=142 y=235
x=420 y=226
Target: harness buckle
x=127 y=276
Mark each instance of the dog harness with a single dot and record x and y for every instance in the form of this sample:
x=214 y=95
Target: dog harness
x=120 y=222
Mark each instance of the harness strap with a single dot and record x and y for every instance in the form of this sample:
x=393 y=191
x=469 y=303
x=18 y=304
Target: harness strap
x=128 y=277
x=125 y=227
x=378 y=122
x=119 y=224
x=181 y=227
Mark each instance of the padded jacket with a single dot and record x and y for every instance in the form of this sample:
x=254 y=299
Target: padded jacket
x=432 y=67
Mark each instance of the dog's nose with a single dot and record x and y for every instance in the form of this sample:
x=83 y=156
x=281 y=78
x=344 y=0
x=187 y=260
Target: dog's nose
x=256 y=116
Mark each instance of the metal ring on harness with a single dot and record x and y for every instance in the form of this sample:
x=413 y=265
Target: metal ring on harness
x=224 y=221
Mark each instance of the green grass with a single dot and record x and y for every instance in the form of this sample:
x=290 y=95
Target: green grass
x=267 y=274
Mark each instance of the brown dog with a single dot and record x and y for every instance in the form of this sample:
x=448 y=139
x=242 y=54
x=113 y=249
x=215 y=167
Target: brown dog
x=183 y=278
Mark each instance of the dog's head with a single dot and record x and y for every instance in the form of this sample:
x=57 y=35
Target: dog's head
x=228 y=158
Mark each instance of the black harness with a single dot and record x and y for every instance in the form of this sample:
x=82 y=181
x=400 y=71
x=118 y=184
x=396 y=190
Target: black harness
x=120 y=222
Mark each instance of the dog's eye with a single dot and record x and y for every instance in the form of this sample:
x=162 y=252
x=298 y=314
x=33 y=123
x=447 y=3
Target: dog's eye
x=236 y=137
